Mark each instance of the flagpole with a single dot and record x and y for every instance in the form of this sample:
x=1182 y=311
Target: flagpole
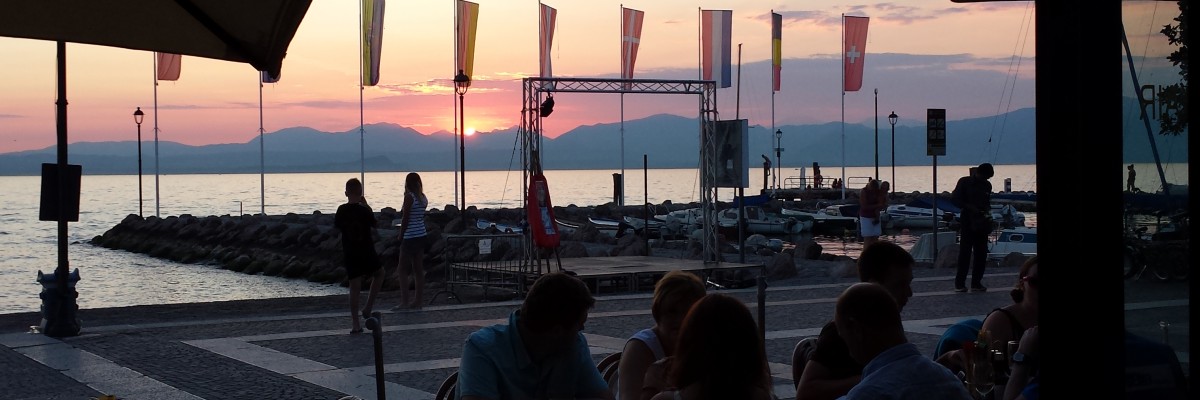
x=621 y=200
x=454 y=118
x=156 y=198
x=843 y=69
x=262 y=163
x=362 y=162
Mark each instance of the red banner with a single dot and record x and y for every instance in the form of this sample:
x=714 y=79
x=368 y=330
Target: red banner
x=854 y=52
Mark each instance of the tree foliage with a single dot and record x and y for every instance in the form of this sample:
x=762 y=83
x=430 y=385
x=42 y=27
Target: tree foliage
x=1173 y=118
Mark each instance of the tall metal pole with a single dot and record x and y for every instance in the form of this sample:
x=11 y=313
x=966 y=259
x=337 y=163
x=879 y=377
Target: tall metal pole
x=935 y=211
x=156 y=185
x=876 y=133
x=262 y=150
x=139 y=146
x=462 y=154
x=892 y=119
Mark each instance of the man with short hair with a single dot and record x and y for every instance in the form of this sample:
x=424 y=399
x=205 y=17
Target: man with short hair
x=830 y=371
x=540 y=353
x=868 y=318
x=973 y=194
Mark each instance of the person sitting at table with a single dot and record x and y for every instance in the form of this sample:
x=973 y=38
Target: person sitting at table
x=540 y=353
x=868 y=318
x=1009 y=322
x=830 y=371
x=720 y=354
x=674 y=295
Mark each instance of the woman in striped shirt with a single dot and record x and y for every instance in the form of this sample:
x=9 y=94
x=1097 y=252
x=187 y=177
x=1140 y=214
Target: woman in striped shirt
x=413 y=242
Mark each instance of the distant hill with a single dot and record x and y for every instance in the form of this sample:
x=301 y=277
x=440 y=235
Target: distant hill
x=669 y=141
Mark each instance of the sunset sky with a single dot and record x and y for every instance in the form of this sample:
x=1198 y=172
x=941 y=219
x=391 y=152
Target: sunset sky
x=973 y=59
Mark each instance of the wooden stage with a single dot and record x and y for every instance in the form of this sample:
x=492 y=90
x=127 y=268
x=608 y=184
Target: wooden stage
x=612 y=274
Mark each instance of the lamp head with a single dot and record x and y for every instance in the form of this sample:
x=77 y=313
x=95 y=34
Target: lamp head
x=892 y=118
x=461 y=82
x=547 y=106
x=778 y=133
x=138 y=115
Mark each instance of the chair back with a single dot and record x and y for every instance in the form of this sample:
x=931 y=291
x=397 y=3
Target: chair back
x=608 y=367
x=800 y=355
x=446 y=391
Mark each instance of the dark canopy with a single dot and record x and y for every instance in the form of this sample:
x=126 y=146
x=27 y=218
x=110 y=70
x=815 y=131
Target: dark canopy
x=255 y=32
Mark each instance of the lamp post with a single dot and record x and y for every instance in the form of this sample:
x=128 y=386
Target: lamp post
x=461 y=83
x=892 y=120
x=137 y=118
x=778 y=149
x=876 y=134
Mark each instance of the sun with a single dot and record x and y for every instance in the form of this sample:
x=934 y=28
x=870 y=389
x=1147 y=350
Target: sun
x=470 y=131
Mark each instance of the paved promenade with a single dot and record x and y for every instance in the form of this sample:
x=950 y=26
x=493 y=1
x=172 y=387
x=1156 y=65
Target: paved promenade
x=302 y=349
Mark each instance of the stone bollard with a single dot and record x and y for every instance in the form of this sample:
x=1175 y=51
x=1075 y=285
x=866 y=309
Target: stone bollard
x=59 y=309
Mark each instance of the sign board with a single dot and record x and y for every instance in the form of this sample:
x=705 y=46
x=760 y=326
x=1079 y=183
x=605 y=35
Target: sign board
x=51 y=209
x=733 y=153
x=935 y=136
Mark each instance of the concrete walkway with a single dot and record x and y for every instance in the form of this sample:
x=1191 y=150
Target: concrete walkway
x=313 y=356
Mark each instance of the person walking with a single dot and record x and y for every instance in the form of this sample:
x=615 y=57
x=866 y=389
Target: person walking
x=1129 y=187
x=414 y=239
x=356 y=222
x=869 y=204
x=973 y=195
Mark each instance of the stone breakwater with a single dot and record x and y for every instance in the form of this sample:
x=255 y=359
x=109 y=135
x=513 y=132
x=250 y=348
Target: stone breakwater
x=306 y=246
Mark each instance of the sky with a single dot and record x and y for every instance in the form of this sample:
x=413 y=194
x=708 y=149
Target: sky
x=975 y=59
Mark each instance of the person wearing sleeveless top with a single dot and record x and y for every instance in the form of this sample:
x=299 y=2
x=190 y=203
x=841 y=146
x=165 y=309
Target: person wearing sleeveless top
x=413 y=242
x=674 y=294
x=1009 y=322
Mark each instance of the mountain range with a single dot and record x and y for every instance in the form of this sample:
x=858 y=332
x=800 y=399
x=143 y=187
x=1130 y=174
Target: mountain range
x=668 y=141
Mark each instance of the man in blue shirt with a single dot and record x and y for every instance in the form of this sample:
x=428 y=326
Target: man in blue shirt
x=540 y=353
x=868 y=318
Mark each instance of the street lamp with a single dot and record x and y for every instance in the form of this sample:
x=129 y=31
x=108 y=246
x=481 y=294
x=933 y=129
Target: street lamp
x=137 y=119
x=778 y=149
x=461 y=83
x=892 y=120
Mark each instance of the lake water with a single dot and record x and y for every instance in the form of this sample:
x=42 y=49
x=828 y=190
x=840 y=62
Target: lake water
x=111 y=278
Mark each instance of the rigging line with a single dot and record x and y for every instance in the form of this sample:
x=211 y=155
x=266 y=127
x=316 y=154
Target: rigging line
x=1013 y=89
x=511 y=157
x=1009 y=74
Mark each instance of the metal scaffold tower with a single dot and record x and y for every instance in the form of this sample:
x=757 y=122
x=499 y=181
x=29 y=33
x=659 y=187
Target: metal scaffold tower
x=531 y=131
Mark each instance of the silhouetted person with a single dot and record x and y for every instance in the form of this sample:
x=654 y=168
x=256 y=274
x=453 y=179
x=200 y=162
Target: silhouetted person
x=1129 y=181
x=356 y=221
x=973 y=195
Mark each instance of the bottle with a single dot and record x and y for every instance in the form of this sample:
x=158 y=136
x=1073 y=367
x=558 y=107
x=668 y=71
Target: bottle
x=999 y=374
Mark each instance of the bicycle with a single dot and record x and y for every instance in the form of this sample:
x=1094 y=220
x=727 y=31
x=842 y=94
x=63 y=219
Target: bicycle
x=1165 y=259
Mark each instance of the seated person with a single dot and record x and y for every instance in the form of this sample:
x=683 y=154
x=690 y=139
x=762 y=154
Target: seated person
x=1152 y=370
x=1023 y=378
x=540 y=353
x=830 y=371
x=674 y=295
x=720 y=354
x=868 y=318
x=1011 y=321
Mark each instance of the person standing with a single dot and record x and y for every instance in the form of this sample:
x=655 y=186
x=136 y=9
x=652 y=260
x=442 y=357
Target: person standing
x=816 y=175
x=1129 y=187
x=973 y=195
x=868 y=212
x=413 y=242
x=356 y=222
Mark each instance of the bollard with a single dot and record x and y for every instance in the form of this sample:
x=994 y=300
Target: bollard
x=375 y=324
x=59 y=308
x=762 y=306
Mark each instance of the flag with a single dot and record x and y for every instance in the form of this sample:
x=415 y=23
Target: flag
x=776 y=49
x=372 y=40
x=716 y=38
x=631 y=38
x=546 y=39
x=267 y=78
x=468 y=19
x=168 y=66
x=854 y=52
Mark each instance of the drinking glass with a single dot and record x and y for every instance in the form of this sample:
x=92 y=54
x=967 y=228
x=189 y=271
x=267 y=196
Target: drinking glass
x=982 y=378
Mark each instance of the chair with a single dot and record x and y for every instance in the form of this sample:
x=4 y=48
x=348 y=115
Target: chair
x=608 y=367
x=800 y=355
x=446 y=391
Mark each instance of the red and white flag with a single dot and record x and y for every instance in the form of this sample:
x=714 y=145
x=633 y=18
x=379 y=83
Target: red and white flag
x=631 y=38
x=716 y=40
x=168 y=66
x=546 y=39
x=854 y=52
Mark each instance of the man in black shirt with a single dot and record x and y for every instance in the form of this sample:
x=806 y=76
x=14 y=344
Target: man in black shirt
x=973 y=194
